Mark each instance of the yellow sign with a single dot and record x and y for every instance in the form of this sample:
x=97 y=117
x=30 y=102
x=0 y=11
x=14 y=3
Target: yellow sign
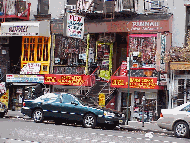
x=5 y=98
x=102 y=99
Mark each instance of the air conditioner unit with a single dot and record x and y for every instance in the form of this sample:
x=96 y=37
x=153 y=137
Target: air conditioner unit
x=156 y=4
x=70 y=8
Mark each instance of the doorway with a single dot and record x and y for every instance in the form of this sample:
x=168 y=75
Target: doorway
x=124 y=104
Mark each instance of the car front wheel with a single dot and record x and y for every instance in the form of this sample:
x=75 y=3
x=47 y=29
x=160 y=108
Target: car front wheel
x=38 y=116
x=89 y=121
x=181 y=129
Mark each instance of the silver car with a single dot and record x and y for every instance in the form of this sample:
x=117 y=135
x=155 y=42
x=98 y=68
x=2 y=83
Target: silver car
x=177 y=120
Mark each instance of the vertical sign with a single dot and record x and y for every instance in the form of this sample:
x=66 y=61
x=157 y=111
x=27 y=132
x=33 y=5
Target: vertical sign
x=5 y=98
x=102 y=99
x=75 y=26
x=163 y=45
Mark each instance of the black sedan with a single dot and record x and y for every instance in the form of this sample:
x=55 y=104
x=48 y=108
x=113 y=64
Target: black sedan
x=63 y=107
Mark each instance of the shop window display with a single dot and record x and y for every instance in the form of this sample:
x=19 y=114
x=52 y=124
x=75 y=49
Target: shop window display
x=144 y=51
x=70 y=55
x=36 y=50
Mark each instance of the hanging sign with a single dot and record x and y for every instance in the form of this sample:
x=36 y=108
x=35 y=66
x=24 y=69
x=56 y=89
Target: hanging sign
x=123 y=71
x=163 y=45
x=75 y=26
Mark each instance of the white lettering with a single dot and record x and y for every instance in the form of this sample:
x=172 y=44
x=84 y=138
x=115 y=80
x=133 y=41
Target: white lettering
x=134 y=23
x=146 y=23
x=151 y=24
x=141 y=24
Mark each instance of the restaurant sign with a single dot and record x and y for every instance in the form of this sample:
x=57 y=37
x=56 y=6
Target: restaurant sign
x=24 y=78
x=65 y=79
x=135 y=82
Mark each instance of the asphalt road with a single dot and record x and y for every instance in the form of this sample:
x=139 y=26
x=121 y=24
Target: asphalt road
x=20 y=130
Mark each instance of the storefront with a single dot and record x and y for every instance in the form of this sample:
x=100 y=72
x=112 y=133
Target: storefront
x=24 y=87
x=179 y=87
x=29 y=52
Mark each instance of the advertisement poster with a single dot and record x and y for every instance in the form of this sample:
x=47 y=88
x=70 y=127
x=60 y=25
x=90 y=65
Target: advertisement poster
x=5 y=98
x=102 y=99
x=75 y=26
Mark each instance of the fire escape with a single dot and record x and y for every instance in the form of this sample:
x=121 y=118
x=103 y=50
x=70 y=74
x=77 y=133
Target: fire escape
x=14 y=10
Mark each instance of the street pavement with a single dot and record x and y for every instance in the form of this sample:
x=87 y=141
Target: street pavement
x=132 y=125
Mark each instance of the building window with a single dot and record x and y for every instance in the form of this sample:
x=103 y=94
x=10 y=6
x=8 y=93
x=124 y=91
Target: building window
x=36 y=50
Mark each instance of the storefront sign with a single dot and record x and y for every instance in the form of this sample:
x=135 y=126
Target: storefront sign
x=61 y=79
x=179 y=66
x=102 y=99
x=5 y=98
x=163 y=45
x=123 y=70
x=29 y=28
x=135 y=82
x=75 y=26
x=24 y=78
x=2 y=88
x=31 y=68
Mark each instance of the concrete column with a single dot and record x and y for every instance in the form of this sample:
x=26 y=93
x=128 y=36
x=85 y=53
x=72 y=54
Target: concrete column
x=132 y=106
x=119 y=101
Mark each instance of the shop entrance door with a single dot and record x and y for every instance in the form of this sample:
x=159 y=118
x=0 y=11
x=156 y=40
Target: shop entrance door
x=104 y=53
x=124 y=104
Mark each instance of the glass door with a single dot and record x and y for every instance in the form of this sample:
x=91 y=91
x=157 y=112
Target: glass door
x=124 y=104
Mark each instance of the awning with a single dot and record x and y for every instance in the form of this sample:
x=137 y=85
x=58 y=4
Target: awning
x=179 y=66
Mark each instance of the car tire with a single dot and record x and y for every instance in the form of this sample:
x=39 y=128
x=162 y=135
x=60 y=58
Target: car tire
x=181 y=129
x=38 y=116
x=89 y=121
x=110 y=126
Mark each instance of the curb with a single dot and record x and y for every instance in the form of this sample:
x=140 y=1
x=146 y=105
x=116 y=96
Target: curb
x=145 y=130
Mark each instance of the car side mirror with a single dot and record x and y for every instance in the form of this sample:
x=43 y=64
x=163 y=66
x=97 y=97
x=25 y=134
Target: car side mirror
x=74 y=102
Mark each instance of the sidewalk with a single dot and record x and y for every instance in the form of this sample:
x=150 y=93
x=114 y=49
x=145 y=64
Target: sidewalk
x=132 y=125
x=148 y=127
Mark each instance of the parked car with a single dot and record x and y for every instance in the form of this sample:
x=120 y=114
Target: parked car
x=3 y=109
x=177 y=120
x=63 y=107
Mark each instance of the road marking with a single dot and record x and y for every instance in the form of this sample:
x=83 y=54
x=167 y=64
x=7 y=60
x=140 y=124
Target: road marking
x=103 y=141
x=50 y=135
x=148 y=139
x=101 y=134
x=120 y=136
x=41 y=134
x=139 y=138
x=28 y=141
x=94 y=140
x=86 y=139
x=78 y=138
x=166 y=141
x=110 y=135
x=68 y=137
x=60 y=136
x=129 y=137
x=34 y=133
x=156 y=140
x=93 y=133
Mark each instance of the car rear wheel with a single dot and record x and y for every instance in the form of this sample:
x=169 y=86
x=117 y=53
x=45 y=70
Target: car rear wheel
x=89 y=121
x=38 y=116
x=181 y=129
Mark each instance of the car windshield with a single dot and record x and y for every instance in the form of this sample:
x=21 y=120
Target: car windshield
x=48 y=97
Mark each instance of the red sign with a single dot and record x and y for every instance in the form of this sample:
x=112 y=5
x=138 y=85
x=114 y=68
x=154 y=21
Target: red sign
x=135 y=82
x=123 y=71
x=65 y=79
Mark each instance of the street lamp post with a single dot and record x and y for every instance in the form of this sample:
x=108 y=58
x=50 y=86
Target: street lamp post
x=128 y=62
